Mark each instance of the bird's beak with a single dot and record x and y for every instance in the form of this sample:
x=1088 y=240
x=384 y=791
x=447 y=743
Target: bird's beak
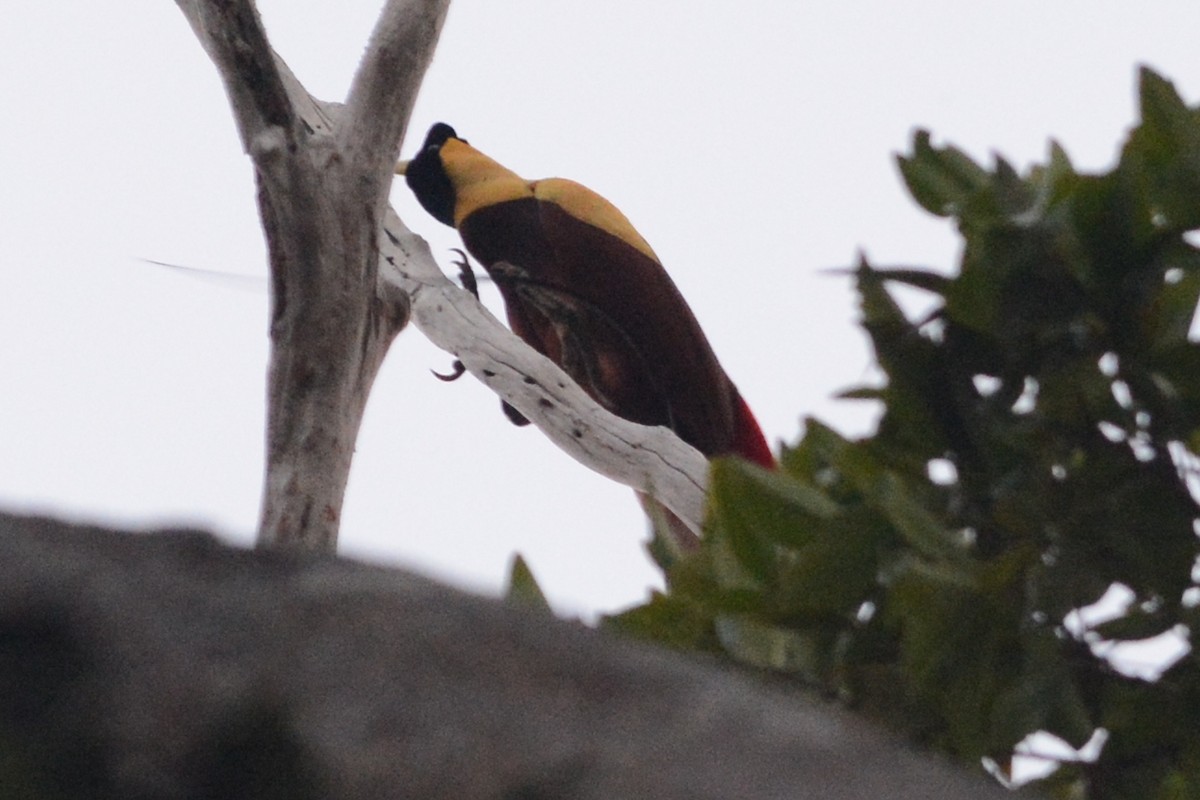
x=402 y=167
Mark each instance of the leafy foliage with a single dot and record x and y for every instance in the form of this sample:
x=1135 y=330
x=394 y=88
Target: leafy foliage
x=523 y=588
x=1038 y=437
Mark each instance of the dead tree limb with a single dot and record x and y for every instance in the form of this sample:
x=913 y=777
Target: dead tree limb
x=322 y=194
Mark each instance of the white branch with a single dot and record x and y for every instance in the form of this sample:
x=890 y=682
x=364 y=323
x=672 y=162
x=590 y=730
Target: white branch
x=644 y=458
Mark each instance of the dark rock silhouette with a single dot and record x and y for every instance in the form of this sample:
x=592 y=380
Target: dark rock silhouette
x=167 y=665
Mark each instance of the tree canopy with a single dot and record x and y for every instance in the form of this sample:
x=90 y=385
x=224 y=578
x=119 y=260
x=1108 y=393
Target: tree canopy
x=1037 y=447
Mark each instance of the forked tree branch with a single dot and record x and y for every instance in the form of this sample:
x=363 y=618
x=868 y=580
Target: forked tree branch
x=341 y=292
x=322 y=203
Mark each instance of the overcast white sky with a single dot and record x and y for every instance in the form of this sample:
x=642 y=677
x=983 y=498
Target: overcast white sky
x=751 y=143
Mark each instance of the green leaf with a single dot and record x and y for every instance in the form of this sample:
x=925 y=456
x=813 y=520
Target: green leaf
x=880 y=311
x=917 y=278
x=756 y=643
x=836 y=572
x=675 y=621
x=920 y=529
x=767 y=506
x=1009 y=195
x=1167 y=148
x=1170 y=309
x=1043 y=696
x=862 y=393
x=1055 y=181
x=1134 y=626
x=942 y=180
x=664 y=546
x=523 y=588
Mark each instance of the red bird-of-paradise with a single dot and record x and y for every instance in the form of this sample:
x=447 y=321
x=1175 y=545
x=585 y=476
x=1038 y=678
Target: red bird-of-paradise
x=583 y=287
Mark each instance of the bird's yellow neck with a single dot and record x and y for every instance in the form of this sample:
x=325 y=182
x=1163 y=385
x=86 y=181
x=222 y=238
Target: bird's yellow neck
x=480 y=181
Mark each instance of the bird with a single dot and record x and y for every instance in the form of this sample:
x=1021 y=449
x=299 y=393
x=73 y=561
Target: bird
x=584 y=288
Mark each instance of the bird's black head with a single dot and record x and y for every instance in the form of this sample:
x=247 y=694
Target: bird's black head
x=426 y=175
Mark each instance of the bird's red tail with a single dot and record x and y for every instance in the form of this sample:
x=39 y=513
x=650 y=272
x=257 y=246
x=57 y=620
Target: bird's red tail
x=749 y=441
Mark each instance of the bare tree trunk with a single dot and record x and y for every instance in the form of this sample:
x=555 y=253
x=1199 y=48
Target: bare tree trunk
x=322 y=195
x=341 y=292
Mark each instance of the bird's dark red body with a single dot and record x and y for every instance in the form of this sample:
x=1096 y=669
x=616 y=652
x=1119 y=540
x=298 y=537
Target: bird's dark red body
x=581 y=286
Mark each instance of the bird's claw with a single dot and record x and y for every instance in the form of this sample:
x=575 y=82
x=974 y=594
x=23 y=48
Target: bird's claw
x=465 y=274
x=458 y=368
